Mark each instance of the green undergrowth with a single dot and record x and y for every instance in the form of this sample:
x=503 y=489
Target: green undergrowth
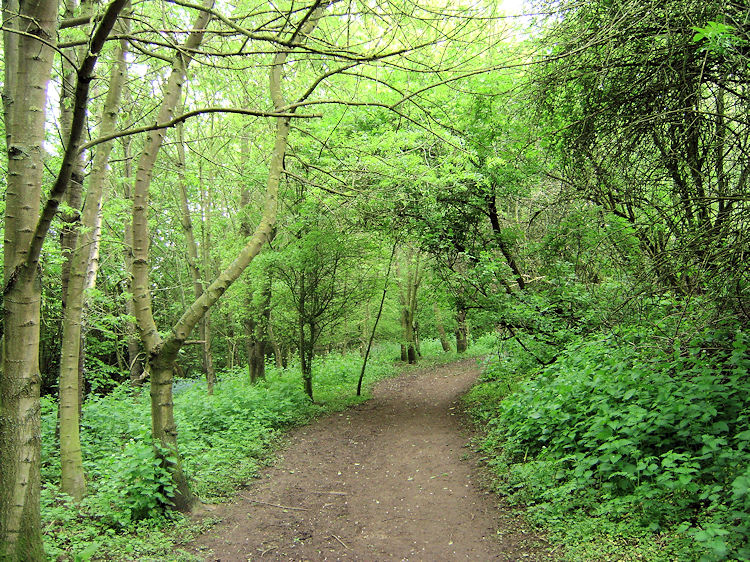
x=624 y=450
x=224 y=440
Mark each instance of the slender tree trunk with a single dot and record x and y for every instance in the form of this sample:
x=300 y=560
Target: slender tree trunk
x=204 y=329
x=260 y=335
x=276 y=348
x=257 y=318
x=306 y=354
x=204 y=325
x=163 y=352
x=74 y=192
x=462 y=334
x=81 y=274
x=305 y=345
x=417 y=339
x=409 y=282
x=377 y=319
x=135 y=359
x=497 y=231
x=441 y=328
x=255 y=369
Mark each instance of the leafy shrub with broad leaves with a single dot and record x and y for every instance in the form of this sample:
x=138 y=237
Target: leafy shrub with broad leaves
x=628 y=433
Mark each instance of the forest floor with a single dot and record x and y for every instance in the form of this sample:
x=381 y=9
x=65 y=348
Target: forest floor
x=391 y=479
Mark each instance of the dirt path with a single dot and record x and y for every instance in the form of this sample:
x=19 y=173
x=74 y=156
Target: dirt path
x=391 y=479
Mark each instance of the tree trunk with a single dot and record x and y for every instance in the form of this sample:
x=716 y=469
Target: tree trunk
x=409 y=282
x=278 y=355
x=193 y=258
x=260 y=336
x=82 y=273
x=74 y=192
x=164 y=429
x=160 y=356
x=255 y=328
x=162 y=352
x=205 y=322
x=441 y=328
x=28 y=47
x=27 y=70
x=462 y=334
x=28 y=63
x=306 y=355
x=135 y=359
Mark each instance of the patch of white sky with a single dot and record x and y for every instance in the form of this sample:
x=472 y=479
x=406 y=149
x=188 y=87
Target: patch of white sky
x=520 y=12
x=513 y=7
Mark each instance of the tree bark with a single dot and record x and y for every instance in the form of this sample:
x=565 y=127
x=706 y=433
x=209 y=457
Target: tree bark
x=28 y=63
x=81 y=276
x=29 y=31
x=441 y=328
x=462 y=333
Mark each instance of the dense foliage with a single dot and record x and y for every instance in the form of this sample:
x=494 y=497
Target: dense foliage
x=620 y=436
x=226 y=438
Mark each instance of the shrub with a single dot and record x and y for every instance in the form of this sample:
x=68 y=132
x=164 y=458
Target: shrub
x=631 y=434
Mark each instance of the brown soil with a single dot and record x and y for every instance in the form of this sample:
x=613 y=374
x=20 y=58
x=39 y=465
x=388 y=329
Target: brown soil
x=391 y=479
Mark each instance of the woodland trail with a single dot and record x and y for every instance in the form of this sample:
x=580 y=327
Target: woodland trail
x=391 y=479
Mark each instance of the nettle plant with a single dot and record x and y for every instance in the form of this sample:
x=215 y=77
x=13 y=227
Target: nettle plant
x=626 y=432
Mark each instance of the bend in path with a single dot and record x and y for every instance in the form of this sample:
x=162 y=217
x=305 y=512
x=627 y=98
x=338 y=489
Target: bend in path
x=391 y=479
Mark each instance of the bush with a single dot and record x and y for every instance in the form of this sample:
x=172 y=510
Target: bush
x=631 y=435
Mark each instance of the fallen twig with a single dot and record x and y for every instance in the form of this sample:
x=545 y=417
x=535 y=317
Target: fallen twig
x=276 y=505
x=342 y=542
